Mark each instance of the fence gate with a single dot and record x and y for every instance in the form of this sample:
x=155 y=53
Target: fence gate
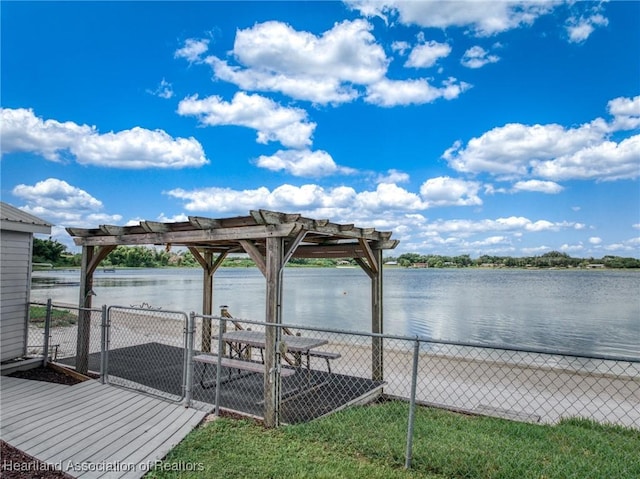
x=146 y=350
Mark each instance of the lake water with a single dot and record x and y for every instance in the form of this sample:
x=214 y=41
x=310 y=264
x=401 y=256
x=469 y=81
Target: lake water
x=579 y=311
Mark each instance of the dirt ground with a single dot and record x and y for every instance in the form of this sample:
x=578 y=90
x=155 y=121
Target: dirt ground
x=46 y=374
x=18 y=465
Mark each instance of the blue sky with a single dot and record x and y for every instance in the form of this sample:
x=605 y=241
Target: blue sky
x=502 y=128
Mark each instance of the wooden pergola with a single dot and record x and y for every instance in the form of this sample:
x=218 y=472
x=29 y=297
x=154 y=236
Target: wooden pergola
x=270 y=238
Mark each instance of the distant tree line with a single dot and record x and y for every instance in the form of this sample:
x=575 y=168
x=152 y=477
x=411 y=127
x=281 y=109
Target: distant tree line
x=55 y=253
x=552 y=259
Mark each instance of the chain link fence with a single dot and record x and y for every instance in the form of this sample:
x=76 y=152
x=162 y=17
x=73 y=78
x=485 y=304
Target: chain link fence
x=523 y=385
x=60 y=335
x=146 y=350
x=312 y=372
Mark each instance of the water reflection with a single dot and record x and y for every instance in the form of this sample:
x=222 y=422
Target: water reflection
x=580 y=311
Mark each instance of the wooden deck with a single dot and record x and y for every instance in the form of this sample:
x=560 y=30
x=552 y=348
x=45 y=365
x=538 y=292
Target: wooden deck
x=92 y=430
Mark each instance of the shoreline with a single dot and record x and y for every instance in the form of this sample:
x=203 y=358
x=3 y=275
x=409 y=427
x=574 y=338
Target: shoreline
x=112 y=269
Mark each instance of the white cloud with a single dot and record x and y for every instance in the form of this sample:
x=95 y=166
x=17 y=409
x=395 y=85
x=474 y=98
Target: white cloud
x=393 y=176
x=139 y=148
x=57 y=194
x=595 y=240
x=401 y=47
x=23 y=131
x=163 y=90
x=554 y=152
x=388 y=207
x=483 y=236
x=136 y=148
x=348 y=51
x=62 y=203
x=477 y=57
x=511 y=149
x=580 y=29
x=493 y=240
x=629 y=246
x=319 y=89
x=168 y=219
x=571 y=248
x=331 y=68
x=193 y=50
x=388 y=196
x=446 y=191
x=607 y=161
x=625 y=112
x=65 y=206
x=274 y=57
x=484 y=18
x=305 y=163
x=426 y=55
x=508 y=224
x=385 y=202
x=536 y=250
x=289 y=126
x=312 y=199
x=548 y=187
x=388 y=93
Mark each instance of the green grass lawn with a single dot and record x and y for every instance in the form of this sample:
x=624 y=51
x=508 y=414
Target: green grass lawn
x=59 y=317
x=370 y=442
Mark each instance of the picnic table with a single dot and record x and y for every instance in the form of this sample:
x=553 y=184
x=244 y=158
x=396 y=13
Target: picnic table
x=240 y=357
x=297 y=345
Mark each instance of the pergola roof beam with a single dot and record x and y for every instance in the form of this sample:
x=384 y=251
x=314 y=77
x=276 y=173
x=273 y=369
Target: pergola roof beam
x=233 y=226
x=187 y=237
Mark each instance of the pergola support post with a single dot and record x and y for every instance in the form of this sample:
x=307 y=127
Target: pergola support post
x=209 y=267
x=90 y=261
x=207 y=301
x=274 y=250
x=377 y=322
x=84 y=317
x=373 y=268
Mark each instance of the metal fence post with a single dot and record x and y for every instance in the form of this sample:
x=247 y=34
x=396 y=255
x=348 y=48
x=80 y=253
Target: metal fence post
x=47 y=333
x=188 y=377
x=103 y=344
x=412 y=404
x=107 y=342
x=222 y=326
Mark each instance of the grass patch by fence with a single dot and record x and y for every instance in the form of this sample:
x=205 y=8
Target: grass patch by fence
x=369 y=442
x=59 y=317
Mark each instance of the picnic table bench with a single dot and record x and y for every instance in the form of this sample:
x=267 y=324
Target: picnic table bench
x=326 y=355
x=237 y=364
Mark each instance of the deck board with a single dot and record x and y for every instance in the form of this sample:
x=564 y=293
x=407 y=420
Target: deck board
x=50 y=409
x=30 y=404
x=40 y=421
x=113 y=433
x=92 y=423
x=80 y=426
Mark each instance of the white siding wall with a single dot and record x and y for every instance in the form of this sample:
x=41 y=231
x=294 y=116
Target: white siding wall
x=15 y=257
